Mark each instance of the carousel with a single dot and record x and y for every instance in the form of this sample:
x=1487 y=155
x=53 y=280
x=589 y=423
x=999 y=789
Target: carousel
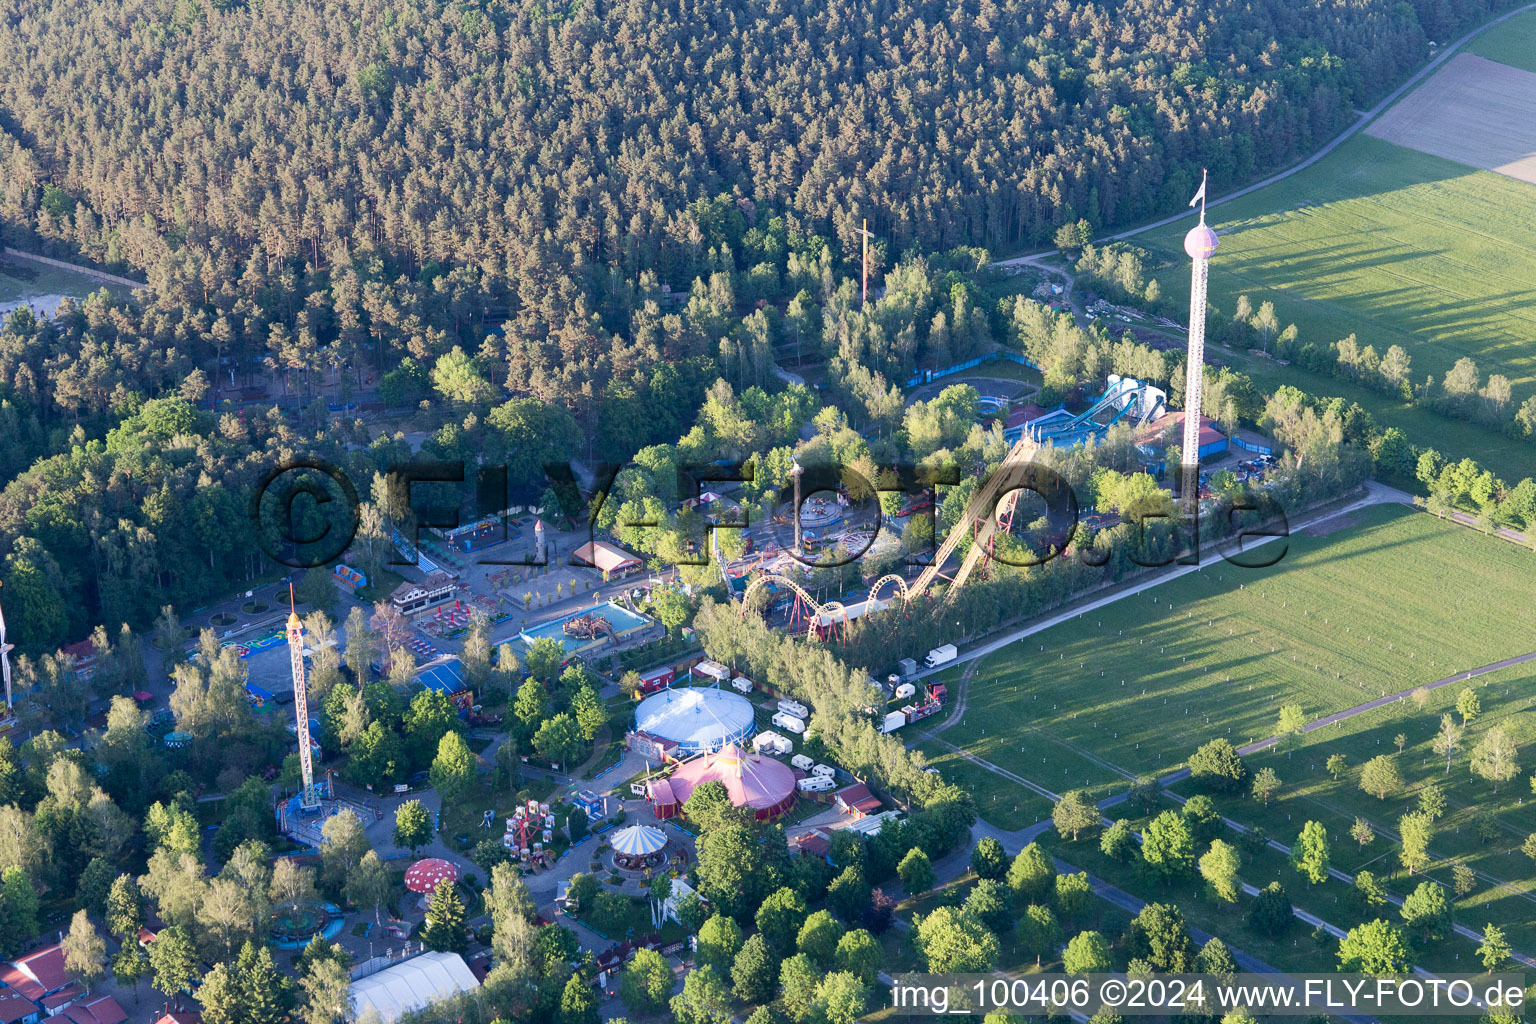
x=639 y=847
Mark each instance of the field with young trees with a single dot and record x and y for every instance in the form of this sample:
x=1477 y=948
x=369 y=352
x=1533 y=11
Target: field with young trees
x=1470 y=775
x=1395 y=599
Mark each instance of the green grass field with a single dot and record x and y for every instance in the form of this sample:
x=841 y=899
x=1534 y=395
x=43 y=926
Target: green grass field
x=1395 y=599
x=1504 y=897
x=1294 y=950
x=1398 y=248
x=1512 y=43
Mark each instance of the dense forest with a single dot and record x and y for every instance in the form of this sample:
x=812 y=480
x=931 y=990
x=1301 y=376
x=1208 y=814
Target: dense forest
x=375 y=164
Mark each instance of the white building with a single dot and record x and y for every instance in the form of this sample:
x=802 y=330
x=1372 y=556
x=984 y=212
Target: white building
x=410 y=985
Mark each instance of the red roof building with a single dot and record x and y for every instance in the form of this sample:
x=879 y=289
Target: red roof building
x=856 y=800
x=38 y=974
x=16 y=1008
x=181 y=1017
x=62 y=998
x=101 y=1010
x=84 y=654
x=814 y=844
x=607 y=558
x=1211 y=439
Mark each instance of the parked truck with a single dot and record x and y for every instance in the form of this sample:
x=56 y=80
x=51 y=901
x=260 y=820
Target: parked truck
x=893 y=721
x=941 y=656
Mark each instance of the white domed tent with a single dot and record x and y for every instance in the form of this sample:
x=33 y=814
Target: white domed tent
x=697 y=719
x=411 y=984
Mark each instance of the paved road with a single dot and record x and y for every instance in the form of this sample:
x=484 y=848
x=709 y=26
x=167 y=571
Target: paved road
x=1360 y=122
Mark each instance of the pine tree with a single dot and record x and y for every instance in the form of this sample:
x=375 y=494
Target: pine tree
x=267 y=994
x=327 y=990
x=445 y=931
x=221 y=997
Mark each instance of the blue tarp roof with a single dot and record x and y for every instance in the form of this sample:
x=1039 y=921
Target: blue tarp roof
x=446 y=677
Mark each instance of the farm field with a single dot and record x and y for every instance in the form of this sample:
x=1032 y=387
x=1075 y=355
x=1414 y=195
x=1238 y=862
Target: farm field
x=1512 y=43
x=1395 y=599
x=1395 y=246
x=1474 y=111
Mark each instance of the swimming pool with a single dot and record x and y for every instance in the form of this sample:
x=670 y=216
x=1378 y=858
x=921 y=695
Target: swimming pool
x=620 y=618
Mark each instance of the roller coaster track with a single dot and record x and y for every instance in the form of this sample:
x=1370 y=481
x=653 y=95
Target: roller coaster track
x=831 y=610
x=901 y=586
x=983 y=514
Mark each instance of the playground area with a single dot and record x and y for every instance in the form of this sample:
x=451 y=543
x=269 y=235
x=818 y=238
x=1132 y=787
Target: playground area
x=586 y=629
x=451 y=623
x=293 y=927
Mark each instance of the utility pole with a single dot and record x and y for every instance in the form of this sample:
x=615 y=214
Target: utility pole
x=864 y=291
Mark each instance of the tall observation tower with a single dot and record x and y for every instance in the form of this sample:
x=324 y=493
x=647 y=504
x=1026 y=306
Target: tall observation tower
x=5 y=663
x=309 y=795
x=1200 y=244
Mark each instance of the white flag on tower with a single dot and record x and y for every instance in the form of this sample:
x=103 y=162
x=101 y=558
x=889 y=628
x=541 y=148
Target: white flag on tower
x=1198 y=195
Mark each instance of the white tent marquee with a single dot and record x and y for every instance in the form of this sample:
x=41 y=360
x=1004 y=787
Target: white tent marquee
x=639 y=840
x=411 y=985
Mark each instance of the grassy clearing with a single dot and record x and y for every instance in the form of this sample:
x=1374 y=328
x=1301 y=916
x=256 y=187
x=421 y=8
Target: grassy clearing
x=1512 y=43
x=1394 y=246
x=1003 y=803
x=1397 y=246
x=1398 y=599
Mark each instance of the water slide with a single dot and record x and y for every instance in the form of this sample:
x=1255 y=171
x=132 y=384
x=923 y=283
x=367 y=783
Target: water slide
x=1124 y=397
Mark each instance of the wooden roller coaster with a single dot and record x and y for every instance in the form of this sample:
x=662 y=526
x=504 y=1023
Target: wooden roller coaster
x=985 y=514
x=990 y=510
